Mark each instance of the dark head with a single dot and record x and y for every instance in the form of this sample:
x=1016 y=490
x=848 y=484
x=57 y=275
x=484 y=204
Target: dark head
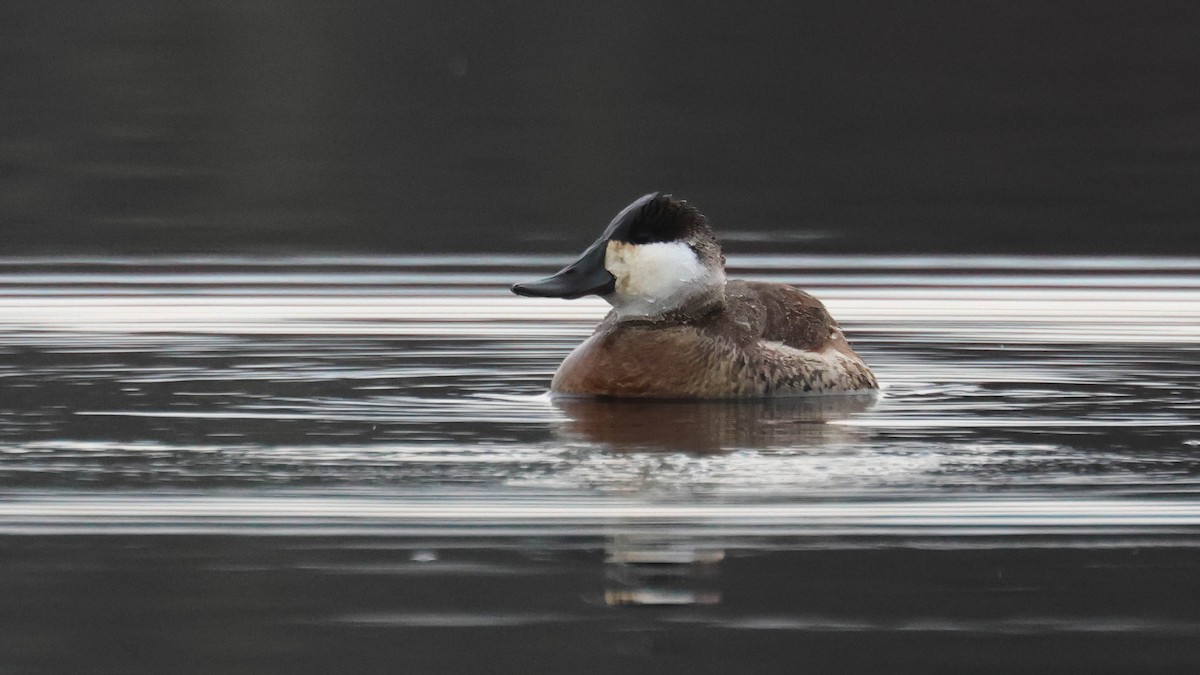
x=656 y=255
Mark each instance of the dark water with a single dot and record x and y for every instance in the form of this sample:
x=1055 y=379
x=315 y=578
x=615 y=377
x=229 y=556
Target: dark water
x=246 y=465
x=267 y=407
x=400 y=127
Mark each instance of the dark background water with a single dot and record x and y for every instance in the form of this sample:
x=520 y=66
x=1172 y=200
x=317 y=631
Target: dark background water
x=317 y=463
x=211 y=125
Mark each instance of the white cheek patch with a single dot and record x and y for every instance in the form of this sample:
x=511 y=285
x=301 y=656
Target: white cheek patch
x=653 y=279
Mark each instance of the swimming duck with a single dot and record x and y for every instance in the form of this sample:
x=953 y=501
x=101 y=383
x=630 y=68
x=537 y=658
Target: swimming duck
x=680 y=329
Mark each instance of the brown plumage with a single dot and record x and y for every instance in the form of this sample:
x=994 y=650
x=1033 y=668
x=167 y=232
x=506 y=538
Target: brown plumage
x=760 y=339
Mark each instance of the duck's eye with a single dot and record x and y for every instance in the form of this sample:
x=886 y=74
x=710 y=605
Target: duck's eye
x=639 y=237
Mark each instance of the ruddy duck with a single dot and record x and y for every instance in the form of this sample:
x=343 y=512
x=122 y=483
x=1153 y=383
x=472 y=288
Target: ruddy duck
x=679 y=329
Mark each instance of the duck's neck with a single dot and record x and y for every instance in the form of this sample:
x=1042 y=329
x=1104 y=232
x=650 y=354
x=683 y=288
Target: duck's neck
x=697 y=305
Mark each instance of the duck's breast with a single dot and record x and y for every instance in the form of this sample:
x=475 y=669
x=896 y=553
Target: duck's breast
x=668 y=362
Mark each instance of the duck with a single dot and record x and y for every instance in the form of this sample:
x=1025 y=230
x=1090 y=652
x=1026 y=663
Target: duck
x=679 y=329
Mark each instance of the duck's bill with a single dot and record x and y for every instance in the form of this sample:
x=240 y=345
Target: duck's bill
x=585 y=276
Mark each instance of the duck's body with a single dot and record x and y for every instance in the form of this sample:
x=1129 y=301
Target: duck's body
x=680 y=330
x=764 y=340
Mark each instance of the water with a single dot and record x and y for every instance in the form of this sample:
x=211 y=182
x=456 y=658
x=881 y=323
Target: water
x=427 y=126
x=318 y=464
x=348 y=464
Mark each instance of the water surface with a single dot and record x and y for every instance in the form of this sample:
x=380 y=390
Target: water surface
x=296 y=465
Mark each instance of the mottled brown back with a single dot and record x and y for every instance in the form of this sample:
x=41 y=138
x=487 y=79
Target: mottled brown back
x=735 y=349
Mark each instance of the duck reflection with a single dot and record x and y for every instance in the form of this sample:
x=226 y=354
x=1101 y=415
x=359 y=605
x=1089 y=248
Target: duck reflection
x=643 y=570
x=710 y=426
x=659 y=568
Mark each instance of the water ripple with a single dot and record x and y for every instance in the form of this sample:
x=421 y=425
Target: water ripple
x=1026 y=376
